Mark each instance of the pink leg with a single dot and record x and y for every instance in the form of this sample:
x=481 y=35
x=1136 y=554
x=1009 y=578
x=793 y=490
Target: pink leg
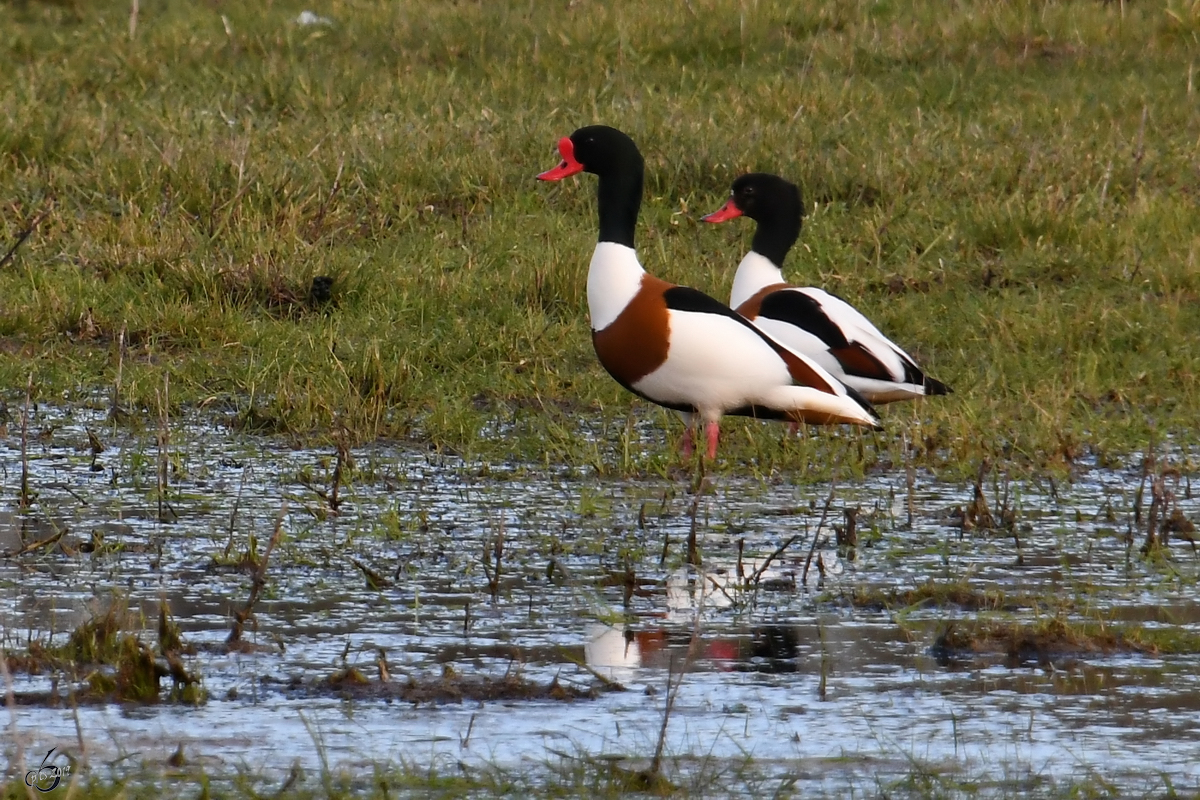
x=794 y=428
x=711 y=429
x=688 y=446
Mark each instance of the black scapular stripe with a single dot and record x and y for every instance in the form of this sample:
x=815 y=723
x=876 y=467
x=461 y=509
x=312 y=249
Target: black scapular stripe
x=804 y=312
x=685 y=298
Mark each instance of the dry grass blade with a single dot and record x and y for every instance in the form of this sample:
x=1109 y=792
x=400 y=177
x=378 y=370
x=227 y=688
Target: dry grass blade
x=607 y=682
x=375 y=580
x=756 y=576
x=164 y=456
x=26 y=497
x=38 y=545
x=493 y=559
x=702 y=486
x=817 y=533
x=257 y=584
x=25 y=234
x=237 y=502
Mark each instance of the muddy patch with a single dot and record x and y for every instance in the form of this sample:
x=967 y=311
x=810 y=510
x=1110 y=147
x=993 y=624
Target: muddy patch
x=449 y=687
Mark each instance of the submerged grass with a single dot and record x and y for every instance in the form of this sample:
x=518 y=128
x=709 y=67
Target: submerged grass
x=336 y=226
x=958 y=594
x=104 y=660
x=1056 y=638
x=989 y=622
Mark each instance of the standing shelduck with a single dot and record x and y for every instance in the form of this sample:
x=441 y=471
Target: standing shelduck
x=676 y=346
x=811 y=321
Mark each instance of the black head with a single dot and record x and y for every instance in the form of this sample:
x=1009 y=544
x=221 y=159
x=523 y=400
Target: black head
x=764 y=197
x=597 y=149
x=603 y=150
x=772 y=202
x=614 y=158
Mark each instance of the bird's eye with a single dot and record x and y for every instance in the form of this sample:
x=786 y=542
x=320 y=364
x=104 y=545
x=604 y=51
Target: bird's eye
x=748 y=191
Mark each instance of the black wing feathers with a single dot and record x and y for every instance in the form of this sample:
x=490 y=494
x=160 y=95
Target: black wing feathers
x=804 y=312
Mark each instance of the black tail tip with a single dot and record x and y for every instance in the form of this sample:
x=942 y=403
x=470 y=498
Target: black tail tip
x=934 y=386
x=866 y=406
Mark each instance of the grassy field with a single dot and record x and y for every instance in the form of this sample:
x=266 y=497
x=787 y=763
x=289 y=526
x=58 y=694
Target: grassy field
x=1010 y=190
x=568 y=779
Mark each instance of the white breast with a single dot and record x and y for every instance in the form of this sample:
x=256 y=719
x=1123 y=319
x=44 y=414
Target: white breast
x=753 y=274
x=614 y=277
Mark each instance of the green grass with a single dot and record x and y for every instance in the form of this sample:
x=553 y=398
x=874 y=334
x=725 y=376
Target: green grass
x=579 y=776
x=1008 y=189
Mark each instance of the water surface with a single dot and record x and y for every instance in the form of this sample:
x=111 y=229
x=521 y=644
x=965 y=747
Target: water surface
x=797 y=675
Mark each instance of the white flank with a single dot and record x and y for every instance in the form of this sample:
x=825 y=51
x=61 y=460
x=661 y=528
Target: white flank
x=801 y=341
x=614 y=277
x=802 y=397
x=717 y=364
x=753 y=274
x=880 y=392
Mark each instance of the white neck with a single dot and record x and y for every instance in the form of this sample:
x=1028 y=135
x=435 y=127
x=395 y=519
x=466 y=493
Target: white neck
x=614 y=277
x=753 y=274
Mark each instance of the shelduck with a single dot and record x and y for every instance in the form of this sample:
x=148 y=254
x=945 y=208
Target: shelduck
x=811 y=321
x=676 y=346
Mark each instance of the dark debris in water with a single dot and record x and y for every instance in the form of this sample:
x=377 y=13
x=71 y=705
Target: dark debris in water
x=450 y=687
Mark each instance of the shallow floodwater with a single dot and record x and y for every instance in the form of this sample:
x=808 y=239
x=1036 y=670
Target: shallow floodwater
x=797 y=676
